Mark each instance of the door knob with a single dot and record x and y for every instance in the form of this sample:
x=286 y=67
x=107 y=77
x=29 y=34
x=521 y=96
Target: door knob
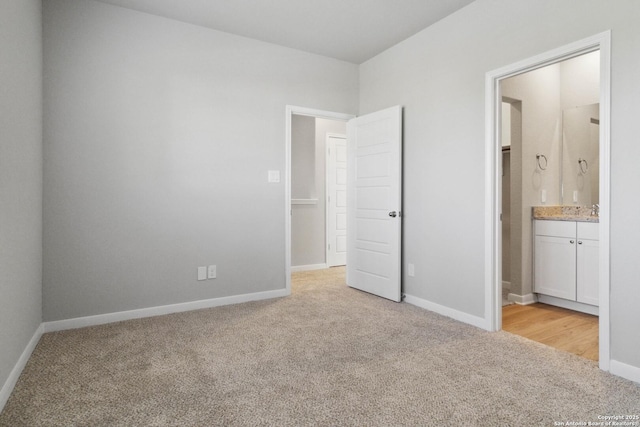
x=393 y=214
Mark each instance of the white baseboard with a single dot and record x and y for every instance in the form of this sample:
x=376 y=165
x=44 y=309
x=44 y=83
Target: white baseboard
x=506 y=285
x=571 y=305
x=101 y=319
x=310 y=267
x=11 y=381
x=623 y=370
x=449 y=312
x=525 y=299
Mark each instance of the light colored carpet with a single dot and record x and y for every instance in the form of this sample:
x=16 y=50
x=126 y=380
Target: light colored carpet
x=328 y=356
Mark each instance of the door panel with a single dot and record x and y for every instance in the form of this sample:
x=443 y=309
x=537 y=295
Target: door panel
x=336 y=201
x=374 y=190
x=588 y=275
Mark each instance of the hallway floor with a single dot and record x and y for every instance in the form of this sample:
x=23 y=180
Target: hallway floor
x=567 y=330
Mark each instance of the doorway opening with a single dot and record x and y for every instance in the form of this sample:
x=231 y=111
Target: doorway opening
x=309 y=132
x=542 y=159
x=374 y=199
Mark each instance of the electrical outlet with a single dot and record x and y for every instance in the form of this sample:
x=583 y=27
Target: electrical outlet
x=273 y=176
x=202 y=273
x=212 y=272
x=412 y=270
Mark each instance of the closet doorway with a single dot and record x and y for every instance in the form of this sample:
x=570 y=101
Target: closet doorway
x=316 y=142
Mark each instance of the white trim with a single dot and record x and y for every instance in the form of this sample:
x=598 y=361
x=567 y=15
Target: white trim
x=568 y=304
x=101 y=319
x=506 y=285
x=522 y=299
x=446 y=311
x=304 y=201
x=290 y=110
x=308 y=267
x=493 y=299
x=335 y=135
x=11 y=381
x=623 y=370
x=605 y=201
x=492 y=208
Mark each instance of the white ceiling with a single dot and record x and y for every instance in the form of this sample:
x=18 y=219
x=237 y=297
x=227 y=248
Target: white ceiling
x=350 y=30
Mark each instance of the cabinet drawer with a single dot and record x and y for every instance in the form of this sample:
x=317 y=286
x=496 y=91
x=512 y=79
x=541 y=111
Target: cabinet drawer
x=555 y=228
x=588 y=230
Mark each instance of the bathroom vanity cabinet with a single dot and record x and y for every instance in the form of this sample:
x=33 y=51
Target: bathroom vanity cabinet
x=566 y=259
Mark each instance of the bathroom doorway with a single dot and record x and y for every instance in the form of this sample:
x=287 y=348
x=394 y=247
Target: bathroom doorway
x=538 y=150
x=535 y=95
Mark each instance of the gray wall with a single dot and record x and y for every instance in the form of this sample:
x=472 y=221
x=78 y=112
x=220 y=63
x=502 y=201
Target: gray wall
x=438 y=75
x=506 y=217
x=158 y=138
x=307 y=221
x=20 y=178
x=541 y=132
x=303 y=157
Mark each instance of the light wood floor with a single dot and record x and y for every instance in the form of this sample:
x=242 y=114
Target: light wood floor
x=557 y=327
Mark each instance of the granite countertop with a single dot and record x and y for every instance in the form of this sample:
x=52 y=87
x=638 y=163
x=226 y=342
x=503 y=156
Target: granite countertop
x=564 y=213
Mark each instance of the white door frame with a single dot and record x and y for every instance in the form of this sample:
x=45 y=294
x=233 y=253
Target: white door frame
x=493 y=194
x=326 y=192
x=301 y=111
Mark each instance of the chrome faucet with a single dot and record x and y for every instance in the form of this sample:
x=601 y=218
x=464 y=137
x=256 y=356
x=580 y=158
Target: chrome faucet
x=595 y=210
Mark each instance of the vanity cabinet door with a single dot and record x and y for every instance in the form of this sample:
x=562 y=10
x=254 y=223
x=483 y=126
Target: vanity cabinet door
x=588 y=260
x=555 y=266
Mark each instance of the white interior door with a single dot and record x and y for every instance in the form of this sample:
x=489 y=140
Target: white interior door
x=374 y=196
x=336 y=201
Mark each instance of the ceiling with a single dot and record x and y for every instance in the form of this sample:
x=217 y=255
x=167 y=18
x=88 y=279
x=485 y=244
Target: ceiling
x=349 y=30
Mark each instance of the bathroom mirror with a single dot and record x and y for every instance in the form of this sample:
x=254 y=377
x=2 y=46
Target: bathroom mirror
x=580 y=155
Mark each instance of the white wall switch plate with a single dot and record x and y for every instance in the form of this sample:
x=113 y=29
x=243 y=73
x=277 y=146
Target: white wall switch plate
x=412 y=270
x=575 y=195
x=274 y=176
x=202 y=273
x=211 y=273
x=543 y=196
